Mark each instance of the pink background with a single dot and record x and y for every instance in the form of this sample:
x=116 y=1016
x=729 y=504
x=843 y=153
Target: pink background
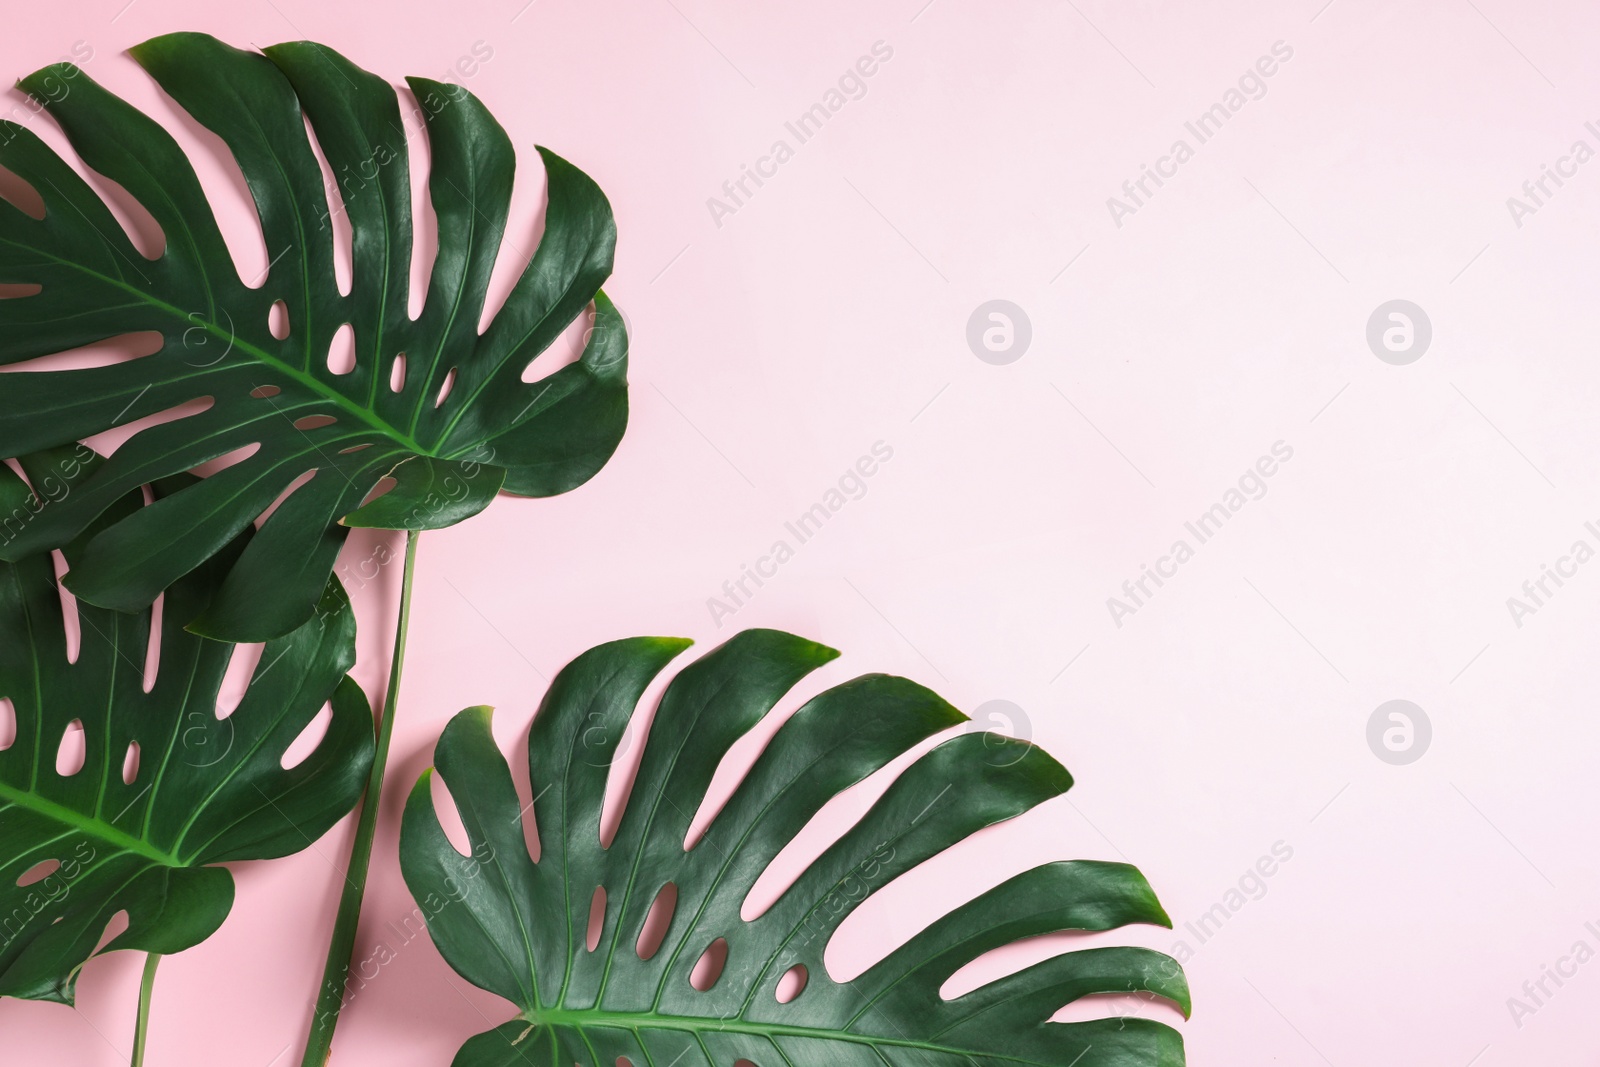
x=1228 y=313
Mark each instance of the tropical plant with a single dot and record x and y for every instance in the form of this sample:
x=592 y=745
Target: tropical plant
x=428 y=420
x=164 y=788
x=428 y=423
x=597 y=945
x=430 y=402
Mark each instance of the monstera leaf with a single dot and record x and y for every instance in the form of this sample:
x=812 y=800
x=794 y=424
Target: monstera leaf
x=164 y=790
x=430 y=402
x=522 y=928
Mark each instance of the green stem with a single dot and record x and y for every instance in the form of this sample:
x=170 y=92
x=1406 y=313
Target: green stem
x=141 y=1028
x=335 y=973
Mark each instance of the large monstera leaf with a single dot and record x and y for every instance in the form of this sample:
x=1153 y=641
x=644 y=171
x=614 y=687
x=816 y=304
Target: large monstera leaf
x=521 y=928
x=431 y=402
x=166 y=790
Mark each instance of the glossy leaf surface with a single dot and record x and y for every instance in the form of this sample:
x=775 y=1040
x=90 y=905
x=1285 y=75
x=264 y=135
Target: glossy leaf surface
x=432 y=401
x=522 y=928
x=115 y=797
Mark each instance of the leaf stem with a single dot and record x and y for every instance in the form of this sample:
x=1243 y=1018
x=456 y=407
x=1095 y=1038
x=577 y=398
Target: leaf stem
x=141 y=1027
x=336 y=971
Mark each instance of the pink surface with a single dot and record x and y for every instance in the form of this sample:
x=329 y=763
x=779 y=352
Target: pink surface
x=1221 y=723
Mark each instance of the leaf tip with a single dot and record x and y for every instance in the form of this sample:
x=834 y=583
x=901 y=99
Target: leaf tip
x=1049 y=769
x=480 y=716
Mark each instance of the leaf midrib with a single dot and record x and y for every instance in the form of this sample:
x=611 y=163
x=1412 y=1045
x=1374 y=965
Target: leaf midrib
x=262 y=356
x=581 y=1019
x=88 y=825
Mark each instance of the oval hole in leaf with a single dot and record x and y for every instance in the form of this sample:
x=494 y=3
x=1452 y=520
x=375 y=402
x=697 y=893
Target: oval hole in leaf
x=301 y=747
x=314 y=422
x=73 y=750
x=355 y=448
x=69 y=609
x=444 y=390
x=18 y=290
x=597 y=917
x=657 y=921
x=342 y=350
x=385 y=484
x=8 y=723
x=152 y=650
x=223 y=462
x=38 y=872
x=288 y=491
x=130 y=763
x=265 y=392
x=708 y=968
x=107 y=442
x=444 y=806
x=792 y=984
x=115 y=926
x=397 y=373
x=21 y=195
x=242 y=664
x=278 y=319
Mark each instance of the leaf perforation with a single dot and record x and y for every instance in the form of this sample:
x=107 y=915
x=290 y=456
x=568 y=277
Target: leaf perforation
x=728 y=858
x=146 y=859
x=685 y=735
x=216 y=330
x=260 y=108
x=639 y=1008
x=455 y=311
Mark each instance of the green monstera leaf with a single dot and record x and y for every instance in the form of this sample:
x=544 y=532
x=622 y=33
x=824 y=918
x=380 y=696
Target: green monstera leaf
x=165 y=791
x=431 y=402
x=521 y=928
